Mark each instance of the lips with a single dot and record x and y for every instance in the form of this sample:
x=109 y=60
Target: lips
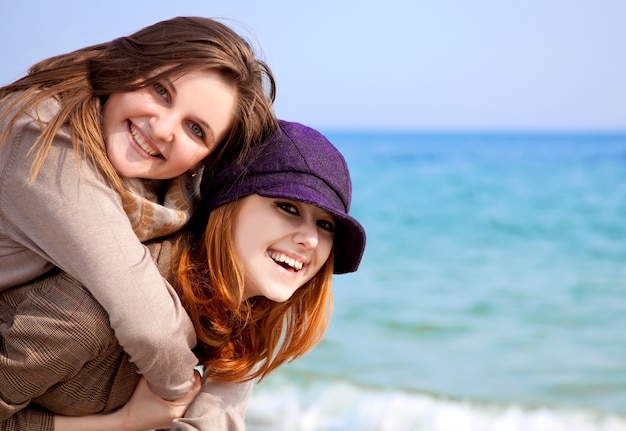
x=138 y=137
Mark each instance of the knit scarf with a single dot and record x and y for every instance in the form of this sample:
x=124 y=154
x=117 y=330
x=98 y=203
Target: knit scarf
x=157 y=209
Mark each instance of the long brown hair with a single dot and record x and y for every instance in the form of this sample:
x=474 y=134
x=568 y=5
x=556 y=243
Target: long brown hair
x=81 y=81
x=241 y=340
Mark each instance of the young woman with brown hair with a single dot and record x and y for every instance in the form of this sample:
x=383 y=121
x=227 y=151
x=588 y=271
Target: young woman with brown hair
x=98 y=150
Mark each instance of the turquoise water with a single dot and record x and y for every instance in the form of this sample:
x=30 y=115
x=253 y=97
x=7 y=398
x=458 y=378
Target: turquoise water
x=492 y=294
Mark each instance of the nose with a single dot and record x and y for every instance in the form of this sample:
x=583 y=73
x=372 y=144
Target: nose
x=307 y=235
x=163 y=127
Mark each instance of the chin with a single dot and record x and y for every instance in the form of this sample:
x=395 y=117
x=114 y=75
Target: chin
x=279 y=296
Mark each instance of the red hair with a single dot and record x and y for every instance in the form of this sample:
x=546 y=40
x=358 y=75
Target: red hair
x=241 y=340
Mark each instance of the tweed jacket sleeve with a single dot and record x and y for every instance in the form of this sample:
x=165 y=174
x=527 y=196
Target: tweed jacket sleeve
x=73 y=219
x=57 y=353
x=29 y=419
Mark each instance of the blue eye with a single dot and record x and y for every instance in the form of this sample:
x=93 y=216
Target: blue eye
x=161 y=91
x=196 y=130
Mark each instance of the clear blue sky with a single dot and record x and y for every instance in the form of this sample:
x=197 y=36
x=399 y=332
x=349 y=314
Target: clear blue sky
x=445 y=65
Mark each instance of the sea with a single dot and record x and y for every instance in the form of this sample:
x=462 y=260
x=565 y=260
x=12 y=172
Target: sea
x=491 y=296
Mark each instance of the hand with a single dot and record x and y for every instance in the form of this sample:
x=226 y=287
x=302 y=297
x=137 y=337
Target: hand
x=146 y=411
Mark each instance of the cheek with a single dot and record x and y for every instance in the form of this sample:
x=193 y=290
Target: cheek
x=244 y=234
x=201 y=153
x=187 y=158
x=106 y=118
x=112 y=114
x=324 y=248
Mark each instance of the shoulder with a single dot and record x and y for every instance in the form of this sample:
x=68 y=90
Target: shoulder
x=24 y=123
x=18 y=104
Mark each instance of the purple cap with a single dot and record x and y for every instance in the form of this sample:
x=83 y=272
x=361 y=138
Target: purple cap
x=300 y=164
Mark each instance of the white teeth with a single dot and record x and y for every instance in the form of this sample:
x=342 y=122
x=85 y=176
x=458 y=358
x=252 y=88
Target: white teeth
x=279 y=257
x=141 y=142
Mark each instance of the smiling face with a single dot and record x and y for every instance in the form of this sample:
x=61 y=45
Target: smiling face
x=159 y=132
x=282 y=244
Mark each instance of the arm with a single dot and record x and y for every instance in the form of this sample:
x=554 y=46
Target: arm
x=144 y=411
x=77 y=223
x=218 y=407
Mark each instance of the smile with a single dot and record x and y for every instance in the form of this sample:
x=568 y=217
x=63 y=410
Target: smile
x=142 y=144
x=286 y=261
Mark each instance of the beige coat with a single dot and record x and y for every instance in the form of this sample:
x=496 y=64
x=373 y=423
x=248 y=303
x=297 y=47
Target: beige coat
x=73 y=220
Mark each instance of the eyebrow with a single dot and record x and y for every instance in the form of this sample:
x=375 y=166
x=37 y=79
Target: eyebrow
x=172 y=88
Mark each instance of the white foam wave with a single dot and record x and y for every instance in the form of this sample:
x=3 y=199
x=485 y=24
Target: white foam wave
x=339 y=406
